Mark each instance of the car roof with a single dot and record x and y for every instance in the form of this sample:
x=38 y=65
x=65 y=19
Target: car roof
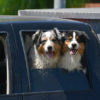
x=10 y=18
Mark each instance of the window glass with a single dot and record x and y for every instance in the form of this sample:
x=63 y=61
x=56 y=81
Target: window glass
x=2 y=67
x=5 y=65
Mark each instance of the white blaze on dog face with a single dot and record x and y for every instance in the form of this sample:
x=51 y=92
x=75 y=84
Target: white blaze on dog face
x=75 y=41
x=49 y=44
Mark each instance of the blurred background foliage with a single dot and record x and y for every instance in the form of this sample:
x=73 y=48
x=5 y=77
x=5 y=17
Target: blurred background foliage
x=11 y=7
x=76 y=3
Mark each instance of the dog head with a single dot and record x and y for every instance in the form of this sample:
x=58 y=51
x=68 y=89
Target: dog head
x=74 y=41
x=48 y=43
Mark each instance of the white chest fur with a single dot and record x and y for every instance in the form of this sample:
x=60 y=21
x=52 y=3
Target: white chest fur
x=70 y=62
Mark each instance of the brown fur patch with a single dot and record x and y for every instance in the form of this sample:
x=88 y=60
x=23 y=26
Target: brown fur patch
x=82 y=48
x=58 y=49
x=77 y=37
x=70 y=37
x=65 y=46
x=67 y=43
x=52 y=38
x=41 y=49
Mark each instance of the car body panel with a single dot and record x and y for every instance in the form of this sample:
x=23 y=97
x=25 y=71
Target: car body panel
x=20 y=77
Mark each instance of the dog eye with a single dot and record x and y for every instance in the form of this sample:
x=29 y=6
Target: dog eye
x=79 y=40
x=54 y=40
x=43 y=41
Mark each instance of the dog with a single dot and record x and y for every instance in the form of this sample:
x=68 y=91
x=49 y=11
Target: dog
x=45 y=51
x=74 y=46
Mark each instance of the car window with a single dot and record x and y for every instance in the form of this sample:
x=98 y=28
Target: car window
x=4 y=64
x=52 y=79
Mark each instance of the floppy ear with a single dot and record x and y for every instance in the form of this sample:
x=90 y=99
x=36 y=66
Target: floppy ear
x=58 y=33
x=84 y=36
x=35 y=36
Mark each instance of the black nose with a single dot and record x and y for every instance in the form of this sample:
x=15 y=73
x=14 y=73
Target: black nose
x=50 y=48
x=73 y=45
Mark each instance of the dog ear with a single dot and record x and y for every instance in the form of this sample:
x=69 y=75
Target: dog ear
x=58 y=33
x=85 y=36
x=35 y=36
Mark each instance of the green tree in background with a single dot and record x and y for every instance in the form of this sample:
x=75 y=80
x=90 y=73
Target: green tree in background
x=11 y=7
x=76 y=3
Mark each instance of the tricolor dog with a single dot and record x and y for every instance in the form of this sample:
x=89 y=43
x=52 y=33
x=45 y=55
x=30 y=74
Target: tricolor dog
x=46 y=48
x=74 y=45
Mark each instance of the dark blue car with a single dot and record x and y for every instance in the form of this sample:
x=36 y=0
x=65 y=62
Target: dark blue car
x=18 y=82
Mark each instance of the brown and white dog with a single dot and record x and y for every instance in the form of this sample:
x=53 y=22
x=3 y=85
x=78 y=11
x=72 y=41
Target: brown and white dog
x=74 y=45
x=45 y=51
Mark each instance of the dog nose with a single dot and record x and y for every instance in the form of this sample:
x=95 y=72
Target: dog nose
x=50 y=48
x=73 y=45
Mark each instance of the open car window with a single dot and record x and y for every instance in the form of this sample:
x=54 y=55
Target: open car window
x=52 y=79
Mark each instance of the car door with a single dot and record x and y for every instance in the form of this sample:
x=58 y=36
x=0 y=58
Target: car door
x=84 y=88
